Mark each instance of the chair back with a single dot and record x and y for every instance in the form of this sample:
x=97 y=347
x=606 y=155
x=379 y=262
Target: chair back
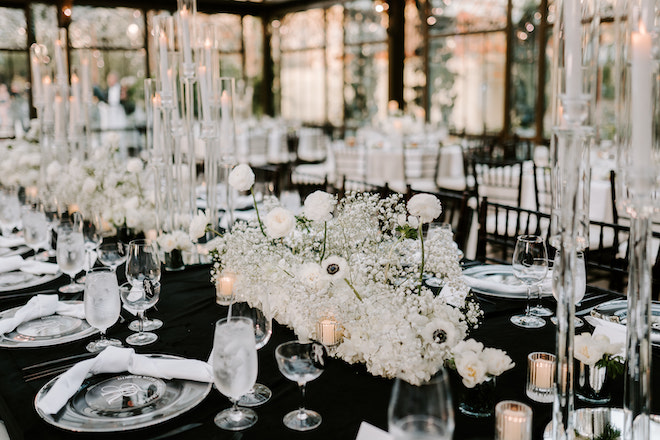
x=543 y=188
x=499 y=180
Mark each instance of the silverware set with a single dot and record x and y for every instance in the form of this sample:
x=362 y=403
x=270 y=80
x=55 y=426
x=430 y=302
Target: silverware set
x=53 y=367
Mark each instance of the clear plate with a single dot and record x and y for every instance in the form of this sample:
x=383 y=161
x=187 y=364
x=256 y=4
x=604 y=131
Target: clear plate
x=499 y=280
x=45 y=331
x=590 y=423
x=123 y=402
x=616 y=311
x=22 y=280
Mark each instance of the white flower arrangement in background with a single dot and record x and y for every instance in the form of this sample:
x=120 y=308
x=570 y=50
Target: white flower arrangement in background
x=20 y=164
x=174 y=240
x=352 y=260
x=476 y=364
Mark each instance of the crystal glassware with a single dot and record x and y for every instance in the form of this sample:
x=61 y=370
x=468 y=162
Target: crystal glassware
x=580 y=284
x=530 y=265
x=421 y=411
x=70 y=254
x=112 y=254
x=142 y=263
x=301 y=362
x=263 y=328
x=91 y=230
x=234 y=362
x=35 y=227
x=138 y=299
x=10 y=211
x=102 y=305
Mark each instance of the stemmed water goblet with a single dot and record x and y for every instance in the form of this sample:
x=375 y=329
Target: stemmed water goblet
x=91 y=229
x=530 y=265
x=263 y=328
x=10 y=211
x=421 y=411
x=70 y=254
x=143 y=267
x=35 y=227
x=301 y=362
x=234 y=362
x=112 y=254
x=102 y=305
x=140 y=299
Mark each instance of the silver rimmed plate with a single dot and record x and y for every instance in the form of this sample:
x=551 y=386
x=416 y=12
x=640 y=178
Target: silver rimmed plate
x=123 y=402
x=616 y=311
x=47 y=330
x=593 y=422
x=23 y=280
x=499 y=280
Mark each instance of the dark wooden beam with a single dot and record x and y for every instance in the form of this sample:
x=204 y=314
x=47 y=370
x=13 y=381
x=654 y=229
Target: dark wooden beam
x=542 y=30
x=395 y=39
x=508 y=68
x=268 y=100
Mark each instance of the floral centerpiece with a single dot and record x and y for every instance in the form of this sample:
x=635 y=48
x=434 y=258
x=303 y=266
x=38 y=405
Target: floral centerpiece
x=20 y=163
x=599 y=363
x=360 y=261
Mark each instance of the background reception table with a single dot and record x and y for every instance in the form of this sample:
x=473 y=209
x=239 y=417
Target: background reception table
x=344 y=395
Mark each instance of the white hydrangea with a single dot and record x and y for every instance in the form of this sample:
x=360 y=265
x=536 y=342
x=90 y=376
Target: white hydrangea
x=426 y=207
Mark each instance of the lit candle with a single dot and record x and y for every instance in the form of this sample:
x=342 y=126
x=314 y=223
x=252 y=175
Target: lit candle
x=225 y=101
x=185 y=24
x=203 y=90
x=207 y=53
x=163 y=62
x=224 y=288
x=543 y=372
x=328 y=332
x=572 y=48
x=392 y=106
x=48 y=105
x=641 y=97
x=155 y=114
x=59 y=60
x=36 y=79
x=59 y=117
x=514 y=424
x=31 y=192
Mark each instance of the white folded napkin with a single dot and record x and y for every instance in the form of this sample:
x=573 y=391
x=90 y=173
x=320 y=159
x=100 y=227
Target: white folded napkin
x=616 y=332
x=491 y=285
x=370 y=432
x=7 y=242
x=117 y=360
x=16 y=262
x=9 y=264
x=39 y=306
x=453 y=297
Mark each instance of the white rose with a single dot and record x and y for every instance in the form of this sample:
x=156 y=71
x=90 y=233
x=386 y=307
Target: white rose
x=197 y=226
x=167 y=242
x=468 y=345
x=89 y=185
x=279 y=222
x=241 y=177
x=425 y=206
x=586 y=351
x=134 y=165
x=497 y=361
x=182 y=240
x=471 y=368
x=313 y=277
x=335 y=267
x=319 y=206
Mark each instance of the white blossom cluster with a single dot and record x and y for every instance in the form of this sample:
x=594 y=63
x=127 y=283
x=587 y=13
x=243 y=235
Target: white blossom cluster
x=350 y=261
x=20 y=163
x=476 y=364
x=590 y=349
x=119 y=190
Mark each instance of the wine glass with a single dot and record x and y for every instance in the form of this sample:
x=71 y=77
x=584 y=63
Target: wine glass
x=70 y=254
x=530 y=265
x=10 y=211
x=142 y=263
x=234 y=362
x=112 y=254
x=421 y=411
x=91 y=229
x=35 y=226
x=301 y=362
x=139 y=299
x=102 y=305
x=580 y=284
x=263 y=328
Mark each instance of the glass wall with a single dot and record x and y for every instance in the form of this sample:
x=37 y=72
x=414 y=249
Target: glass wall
x=14 y=73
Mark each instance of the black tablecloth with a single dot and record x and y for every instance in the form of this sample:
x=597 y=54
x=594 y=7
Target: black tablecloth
x=345 y=395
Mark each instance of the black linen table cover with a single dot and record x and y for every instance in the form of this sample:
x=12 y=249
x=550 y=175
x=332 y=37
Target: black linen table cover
x=345 y=395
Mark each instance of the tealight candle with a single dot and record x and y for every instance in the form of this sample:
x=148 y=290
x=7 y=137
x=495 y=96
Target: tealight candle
x=513 y=421
x=327 y=331
x=540 y=376
x=224 y=288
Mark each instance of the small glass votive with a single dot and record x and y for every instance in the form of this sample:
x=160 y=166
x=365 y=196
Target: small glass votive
x=513 y=421
x=328 y=331
x=541 y=377
x=224 y=288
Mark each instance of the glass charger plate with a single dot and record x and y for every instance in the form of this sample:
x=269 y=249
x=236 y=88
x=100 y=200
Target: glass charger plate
x=590 y=423
x=616 y=311
x=499 y=280
x=22 y=280
x=124 y=401
x=45 y=331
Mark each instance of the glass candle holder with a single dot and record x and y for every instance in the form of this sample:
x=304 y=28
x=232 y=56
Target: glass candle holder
x=224 y=288
x=541 y=377
x=513 y=421
x=328 y=331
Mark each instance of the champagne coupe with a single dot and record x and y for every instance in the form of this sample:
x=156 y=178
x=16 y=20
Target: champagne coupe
x=70 y=254
x=263 y=328
x=530 y=265
x=142 y=264
x=421 y=411
x=580 y=284
x=112 y=254
x=35 y=227
x=301 y=362
x=139 y=299
x=102 y=305
x=234 y=362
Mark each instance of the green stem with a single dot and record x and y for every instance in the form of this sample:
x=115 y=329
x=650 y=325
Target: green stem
x=421 y=268
x=210 y=229
x=254 y=201
x=353 y=288
x=325 y=237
